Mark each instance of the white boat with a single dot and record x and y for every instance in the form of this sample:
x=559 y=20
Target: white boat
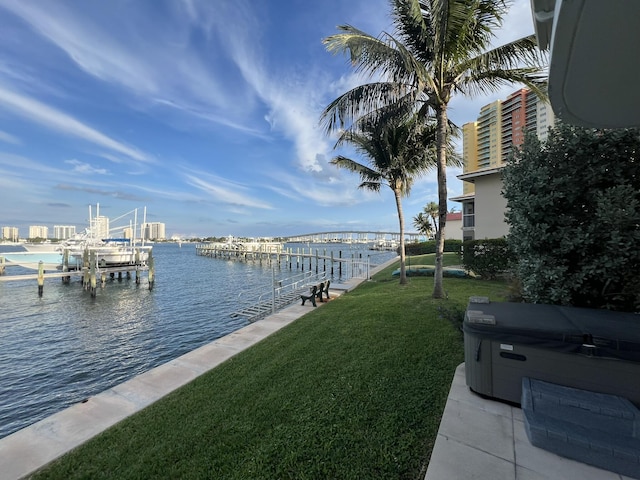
x=31 y=260
x=42 y=247
x=111 y=255
x=95 y=243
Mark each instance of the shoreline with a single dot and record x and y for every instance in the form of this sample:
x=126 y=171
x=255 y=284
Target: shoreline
x=33 y=447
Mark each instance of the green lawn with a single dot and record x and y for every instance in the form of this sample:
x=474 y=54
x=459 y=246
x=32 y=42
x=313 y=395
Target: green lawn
x=352 y=390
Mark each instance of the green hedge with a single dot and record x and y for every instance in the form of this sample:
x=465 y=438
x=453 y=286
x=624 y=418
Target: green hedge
x=424 y=248
x=487 y=258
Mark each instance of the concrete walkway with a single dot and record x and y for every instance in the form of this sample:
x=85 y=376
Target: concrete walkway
x=29 y=449
x=483 y=439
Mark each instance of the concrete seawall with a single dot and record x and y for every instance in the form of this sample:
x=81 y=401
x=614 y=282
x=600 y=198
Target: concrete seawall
x=28 y=450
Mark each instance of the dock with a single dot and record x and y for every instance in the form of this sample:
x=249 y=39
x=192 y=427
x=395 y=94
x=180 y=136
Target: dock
x=93 y=270
x=299 y=259
x=284 y=292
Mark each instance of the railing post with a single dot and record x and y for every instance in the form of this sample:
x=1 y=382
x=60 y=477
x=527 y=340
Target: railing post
x=273 y=284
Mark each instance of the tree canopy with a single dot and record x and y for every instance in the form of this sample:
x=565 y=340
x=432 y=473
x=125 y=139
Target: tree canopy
x=440 y=48
x=573 y=206
x=395 y=153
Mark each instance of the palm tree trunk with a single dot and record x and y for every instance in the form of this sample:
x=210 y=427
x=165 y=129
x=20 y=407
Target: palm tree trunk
x=403 y=269
x=441 y=145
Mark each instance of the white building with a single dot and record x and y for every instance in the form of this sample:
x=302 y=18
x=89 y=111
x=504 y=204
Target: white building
x=453 y=230
x=101 y=227
x=38 y=231
x=10 y=233
x=62 y=232
x=153 y=231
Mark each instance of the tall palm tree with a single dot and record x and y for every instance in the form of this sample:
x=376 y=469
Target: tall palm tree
x=395 y=154
x=441 y=48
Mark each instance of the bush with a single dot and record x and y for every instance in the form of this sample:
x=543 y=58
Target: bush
x=487 y=258
x=573 y=206
x=424 y=248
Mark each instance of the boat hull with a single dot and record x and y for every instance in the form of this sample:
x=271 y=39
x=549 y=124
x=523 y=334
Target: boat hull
x=109 y=256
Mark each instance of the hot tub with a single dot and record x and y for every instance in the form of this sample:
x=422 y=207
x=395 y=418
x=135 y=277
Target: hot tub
x=595 y=350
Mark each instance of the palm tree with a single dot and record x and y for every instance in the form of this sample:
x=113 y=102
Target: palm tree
x=432 y=209
x=427 y=220
x=422 y=223
x=441 y=48
x=396 y=156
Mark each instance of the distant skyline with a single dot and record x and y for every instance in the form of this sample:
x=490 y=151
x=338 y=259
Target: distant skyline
x=204 y=112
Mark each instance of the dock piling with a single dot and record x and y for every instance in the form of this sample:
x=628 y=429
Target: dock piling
x=40 y=278
x=92 y=274
x=152 y=272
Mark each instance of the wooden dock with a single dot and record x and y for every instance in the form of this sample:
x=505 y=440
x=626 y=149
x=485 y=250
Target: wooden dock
x=93 y=272
x=299 y=259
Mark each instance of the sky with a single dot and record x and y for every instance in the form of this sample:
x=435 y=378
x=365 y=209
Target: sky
x=205 y=112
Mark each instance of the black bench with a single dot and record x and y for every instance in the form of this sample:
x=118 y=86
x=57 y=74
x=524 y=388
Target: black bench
x=323 y=288
x=311 y=297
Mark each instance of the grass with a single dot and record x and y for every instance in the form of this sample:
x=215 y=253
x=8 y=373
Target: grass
x=352 y=390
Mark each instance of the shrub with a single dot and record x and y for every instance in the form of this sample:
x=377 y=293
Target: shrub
x=424 y=248
x=573 y=206
x=487 y=258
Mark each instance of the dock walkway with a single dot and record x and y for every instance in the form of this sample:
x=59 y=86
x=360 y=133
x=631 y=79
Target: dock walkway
x=262 y=308
x=300 y=259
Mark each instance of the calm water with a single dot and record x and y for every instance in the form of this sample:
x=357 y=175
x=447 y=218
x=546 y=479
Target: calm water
x=64 y=347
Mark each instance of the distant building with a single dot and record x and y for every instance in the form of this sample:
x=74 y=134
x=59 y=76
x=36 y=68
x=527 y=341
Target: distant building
x=10 y=233
x=487 y=144
x=101 y=227
x=38 y=231
x=153 y=231
x=454 y=226
x=62 y=232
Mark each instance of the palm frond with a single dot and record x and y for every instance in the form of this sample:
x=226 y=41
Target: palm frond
x=363 y=100
x=516 y=62
x=413 y=24
x=383 y=56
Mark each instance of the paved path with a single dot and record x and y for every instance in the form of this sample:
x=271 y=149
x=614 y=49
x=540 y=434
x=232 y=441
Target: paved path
x=482 y=439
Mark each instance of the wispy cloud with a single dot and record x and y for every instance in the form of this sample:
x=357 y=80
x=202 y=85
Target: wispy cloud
x=103 y=192
x=28 y=166
x=335 y=193
x=225 y=191
x=56 y=120
x=152 y=56
x=85 y=168
x=8 y=138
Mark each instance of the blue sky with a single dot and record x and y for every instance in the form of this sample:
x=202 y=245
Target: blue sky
x=206 y=112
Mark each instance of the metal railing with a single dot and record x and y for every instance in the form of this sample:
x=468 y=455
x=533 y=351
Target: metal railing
x=285 y=291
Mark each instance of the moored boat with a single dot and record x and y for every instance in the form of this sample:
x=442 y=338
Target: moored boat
x=31 y=260
x=94 y=244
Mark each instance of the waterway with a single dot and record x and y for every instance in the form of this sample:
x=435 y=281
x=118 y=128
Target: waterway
x=63 y=347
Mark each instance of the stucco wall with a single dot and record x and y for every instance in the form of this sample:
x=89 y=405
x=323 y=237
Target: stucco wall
x=490 y=206
x=453 y=230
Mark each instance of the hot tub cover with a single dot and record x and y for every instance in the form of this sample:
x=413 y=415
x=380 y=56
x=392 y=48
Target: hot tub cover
x=567 y=329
